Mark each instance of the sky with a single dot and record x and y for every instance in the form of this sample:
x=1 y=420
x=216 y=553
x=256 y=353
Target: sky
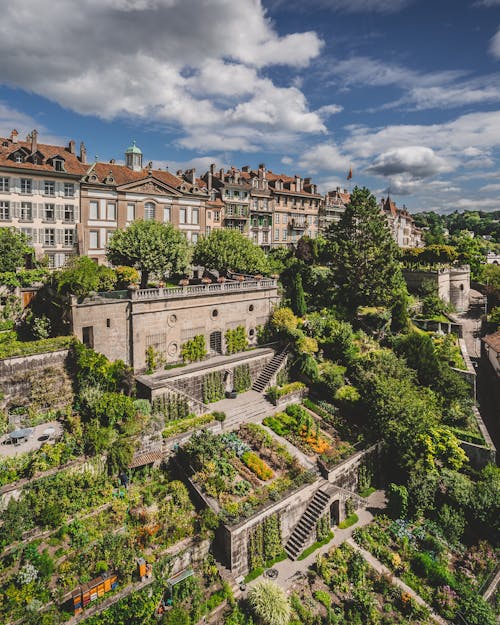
x=404 y=92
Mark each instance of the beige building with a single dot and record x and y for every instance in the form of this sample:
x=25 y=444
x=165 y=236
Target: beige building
x=166 y=318
x=401 y=224
x=113 y=196
x=40 y=193
x=332 y=208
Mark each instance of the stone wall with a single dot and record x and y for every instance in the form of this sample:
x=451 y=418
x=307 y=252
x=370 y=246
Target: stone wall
x=452 y=284
x=40 y=381
x=345 y=474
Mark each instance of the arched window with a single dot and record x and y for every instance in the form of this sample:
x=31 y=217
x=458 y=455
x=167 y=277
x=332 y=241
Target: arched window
x=149 y=211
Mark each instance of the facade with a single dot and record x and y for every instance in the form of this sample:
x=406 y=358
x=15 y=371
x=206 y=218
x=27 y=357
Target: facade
x=112 y=196
x=401 y=224
x=333 y=207
x=166 y=318
x=40 y=193
x=452 y=284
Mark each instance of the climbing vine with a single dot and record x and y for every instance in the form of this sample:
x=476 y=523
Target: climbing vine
x=194 y=349
x=173 y=406
x=213 y=387
x=265 y=542
x=241 y=378
x=323 y=527
x=236 y=340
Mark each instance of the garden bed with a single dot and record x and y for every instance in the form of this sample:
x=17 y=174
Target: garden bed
x=299 y=427
x=239 y=473
x=448 y=578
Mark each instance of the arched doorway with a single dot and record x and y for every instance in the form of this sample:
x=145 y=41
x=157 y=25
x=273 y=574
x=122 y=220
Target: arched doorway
x=216 y=342
x=335 y=512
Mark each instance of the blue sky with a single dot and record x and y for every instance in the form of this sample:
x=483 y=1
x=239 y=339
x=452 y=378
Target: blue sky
x=407 y=92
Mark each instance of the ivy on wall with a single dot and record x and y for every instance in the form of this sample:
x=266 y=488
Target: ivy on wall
x=265 y=542
x=213 y=387
x=195 y=349
x=172 y=405
x=323 y=527
x=241 y=378
x=236 y=340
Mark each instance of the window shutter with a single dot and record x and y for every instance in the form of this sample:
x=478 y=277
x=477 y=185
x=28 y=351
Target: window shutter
x=15 y=209
x=76 y=213
x=34 y=237
x=59 y=237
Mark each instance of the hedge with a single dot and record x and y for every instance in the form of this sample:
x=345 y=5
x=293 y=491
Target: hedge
x=10 y=346
x=275 y=393
x=183 y=425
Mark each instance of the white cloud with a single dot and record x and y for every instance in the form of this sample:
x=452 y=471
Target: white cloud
x=416 y=160
x=495 y=45
x=348 y=6
x=324 y=157
x=11 y=118
x=491 y=187
x=178 y=62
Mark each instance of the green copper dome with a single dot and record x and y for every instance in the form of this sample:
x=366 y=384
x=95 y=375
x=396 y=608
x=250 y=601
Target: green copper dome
x=133 y=149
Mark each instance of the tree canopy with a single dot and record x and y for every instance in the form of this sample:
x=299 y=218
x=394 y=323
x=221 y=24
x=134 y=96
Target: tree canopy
x=81 y=275
x=14 y=248
x=228 y=249
x=366 y=266
x=150 y=247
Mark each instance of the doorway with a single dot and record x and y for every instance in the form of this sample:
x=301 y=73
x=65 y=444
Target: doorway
x=216 y=342
x=335 y=512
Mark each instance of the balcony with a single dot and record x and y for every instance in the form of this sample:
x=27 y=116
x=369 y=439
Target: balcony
x=298 y=224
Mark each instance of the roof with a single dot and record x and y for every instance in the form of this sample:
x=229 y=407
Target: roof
x=72 y=163
x=133 y=149
x=143 y=459
x=493 y=340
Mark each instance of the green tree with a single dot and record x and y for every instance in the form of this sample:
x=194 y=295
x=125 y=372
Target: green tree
x=298 y=299
x=82 y=275
x=366 y=268
x=150 y=247
x=14 y=249
x=229 y=249
x=269 y=603
x=470 y=250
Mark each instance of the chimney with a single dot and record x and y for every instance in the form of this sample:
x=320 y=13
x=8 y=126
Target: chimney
x=298 y=184
x=245 y=168
x=179 y=173
x=83 y=153
x=212 y=169
x=34 y=141
x=193 y=176
x=14 y=135
x=307 y=181
x=221 y=174
x=71 y=147
x=112 y=162
x=209 y=179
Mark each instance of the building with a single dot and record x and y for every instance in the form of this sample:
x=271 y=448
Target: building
x=113 y=195
x=166 y=318
x=40 y=193
x=233 y=189
x=261 y=207
x=332 y=208
x=401 y=224
x=452 y=284
x=491 y=350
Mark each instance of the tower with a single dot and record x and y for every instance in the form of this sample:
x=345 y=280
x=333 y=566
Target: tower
x=133 y=157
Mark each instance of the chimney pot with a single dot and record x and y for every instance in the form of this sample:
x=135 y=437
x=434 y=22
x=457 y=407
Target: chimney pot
x=83 y=153
x=14 y=135
x=193 y=176
x=34 y=141
x=212 y=169
x=71 y=147
x=112 y=162
x=221 y=173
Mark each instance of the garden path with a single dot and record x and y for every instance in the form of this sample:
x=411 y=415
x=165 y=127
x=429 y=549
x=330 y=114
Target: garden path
x=382 y=569
x=301 y=456
x=248 y=407
x=289 y=570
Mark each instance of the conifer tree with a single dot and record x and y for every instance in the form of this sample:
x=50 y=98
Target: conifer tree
x=298 y=299
x=366 y=267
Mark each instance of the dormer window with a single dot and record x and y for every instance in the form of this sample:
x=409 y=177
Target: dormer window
x=19 y=157
x=93 y=178
x=58 y=164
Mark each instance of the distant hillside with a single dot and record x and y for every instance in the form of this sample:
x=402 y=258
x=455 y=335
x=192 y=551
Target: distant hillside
x=479 y=222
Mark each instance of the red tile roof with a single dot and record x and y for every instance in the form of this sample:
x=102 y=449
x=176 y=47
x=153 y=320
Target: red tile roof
x=493 y=340
x=72 y=164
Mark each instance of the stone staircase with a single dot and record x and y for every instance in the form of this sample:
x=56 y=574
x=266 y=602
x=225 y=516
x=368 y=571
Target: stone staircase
x=269 y=370
x=255 y=408
x=307 y=524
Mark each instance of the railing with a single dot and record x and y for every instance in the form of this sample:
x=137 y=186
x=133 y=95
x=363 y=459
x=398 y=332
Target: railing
x=203 y=289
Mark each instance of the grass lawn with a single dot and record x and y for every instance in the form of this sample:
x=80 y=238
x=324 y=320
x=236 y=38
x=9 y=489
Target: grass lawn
x=348 y=521
x=314 y=546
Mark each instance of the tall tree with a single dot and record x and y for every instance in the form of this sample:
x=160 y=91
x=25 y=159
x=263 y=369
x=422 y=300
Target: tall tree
x=228 y=249
x=150 y=247
x=298 y=299
x=366 y=268
x=14 y=249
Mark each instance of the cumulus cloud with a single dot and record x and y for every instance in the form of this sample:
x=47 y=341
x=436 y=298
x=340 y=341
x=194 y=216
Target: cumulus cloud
x=416 y=160
x=177 y=62
x=495 y=45
x=324 y=157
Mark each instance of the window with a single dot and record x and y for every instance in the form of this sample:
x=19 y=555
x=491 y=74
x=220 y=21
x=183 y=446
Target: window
x=130 y=212
x=276 y=235
x=93 y=209
x=166 y=214
x=69 y=237
x=109 y=234
x=19 y=158
x=264 y=204
x=277 y=218
x=283 y=235
x=4 y=211
x=111 y=211
x=265 y=238
x=49 y=187
x=195 y=216
x=4 y=185
x=58 y=165
x=149 y=211
x=49 y=237
x=194 y=237
x=29 y=233
x=255 y=238
x=108 y=323
x=69 y=213
x=69 y=189
x=26 y=213
x=93 y=239
x=51 y=261
x=182 y=215
x=49 y=212
x=208 y=230
x=216 y=215
x=255 y=203
x=26 y=185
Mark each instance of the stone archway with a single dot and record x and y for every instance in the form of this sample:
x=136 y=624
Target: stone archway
x=335 y=512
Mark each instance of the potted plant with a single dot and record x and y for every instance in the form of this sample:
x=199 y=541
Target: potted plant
x=206 y=281
x=259 y=276
x=221 y=280
x=184 y=282
x=240 y=278
x=275 y=276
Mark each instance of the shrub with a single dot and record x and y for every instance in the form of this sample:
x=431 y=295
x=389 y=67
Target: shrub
x=195 y=349
x=437 y=574
x=257 y=465
x=274 y=393
x=178 y=427
x=213 y=387
x=236 y=340
x=397 y=501
x=269 y=603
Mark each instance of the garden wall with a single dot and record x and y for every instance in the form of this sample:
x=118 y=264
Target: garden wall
x=345 y=474
x=41 y=381
x=189 y=380
x=480 y=455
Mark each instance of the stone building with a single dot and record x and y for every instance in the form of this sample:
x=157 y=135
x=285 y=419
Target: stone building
x=112 y=196
x=124 y=324
x=39 y=193
x=452 y=284
x=401 y=224
x=333 y=207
